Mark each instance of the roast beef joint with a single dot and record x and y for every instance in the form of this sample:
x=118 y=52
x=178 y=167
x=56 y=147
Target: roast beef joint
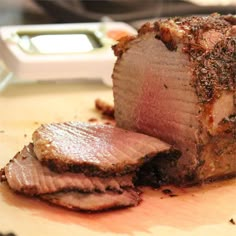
x=176 y=80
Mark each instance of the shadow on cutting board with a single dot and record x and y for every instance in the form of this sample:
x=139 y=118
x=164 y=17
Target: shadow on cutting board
x=191 y=208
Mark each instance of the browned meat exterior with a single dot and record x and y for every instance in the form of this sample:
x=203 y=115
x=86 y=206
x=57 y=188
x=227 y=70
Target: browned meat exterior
x=176 y=81
x=94 y=201
x=25 y=174
x=94 y=149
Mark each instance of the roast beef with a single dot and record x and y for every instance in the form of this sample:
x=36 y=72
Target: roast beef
x=96 y=165
x=176 y=80
x=94 y=149
x=94 y=201
x=25 y=174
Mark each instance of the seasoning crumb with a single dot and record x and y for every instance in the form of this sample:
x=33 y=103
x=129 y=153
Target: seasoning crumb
x=24 y=157
x=2 y=175
x=36 y=123
x=167 y=191
x=107 y=123
x=2 y=131
x=105 y=108
x=110 y=122
x=93 y=120
x=165 y=86
x=25 y=135
x=232 y=221
x=7 y=234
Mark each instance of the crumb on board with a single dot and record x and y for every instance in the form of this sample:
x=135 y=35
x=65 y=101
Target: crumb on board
x=7 y=234
x=169 y=192
x=232 y=221
x=2 y=176
x=93 y=120
x=25 y=135
x=102 y=121
x=107 y=112
x=105 y=108
x=2 y=131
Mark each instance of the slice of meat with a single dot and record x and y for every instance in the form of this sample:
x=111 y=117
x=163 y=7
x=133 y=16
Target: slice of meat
x=93 y=201
x=176 y=81
x=94 y=149
x=25 y=174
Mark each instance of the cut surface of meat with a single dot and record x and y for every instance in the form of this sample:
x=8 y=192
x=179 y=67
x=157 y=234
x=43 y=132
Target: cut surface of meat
x=94 y=149
x=176 y=81
x=25 y=174
x=94 y=201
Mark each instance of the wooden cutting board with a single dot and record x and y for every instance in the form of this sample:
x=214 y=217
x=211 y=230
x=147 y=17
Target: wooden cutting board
x=201 y=210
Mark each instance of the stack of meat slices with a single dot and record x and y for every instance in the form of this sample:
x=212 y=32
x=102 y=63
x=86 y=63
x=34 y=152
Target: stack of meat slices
x=83 y=166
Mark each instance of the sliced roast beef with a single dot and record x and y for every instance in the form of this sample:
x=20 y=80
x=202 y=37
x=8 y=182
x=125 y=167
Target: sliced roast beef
x=94 y=201
x=94 y=149
x=176 y=80
x=92 y=166
x=25 y=174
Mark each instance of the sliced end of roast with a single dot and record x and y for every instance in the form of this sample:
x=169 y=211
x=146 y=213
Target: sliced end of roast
x=176 y=81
